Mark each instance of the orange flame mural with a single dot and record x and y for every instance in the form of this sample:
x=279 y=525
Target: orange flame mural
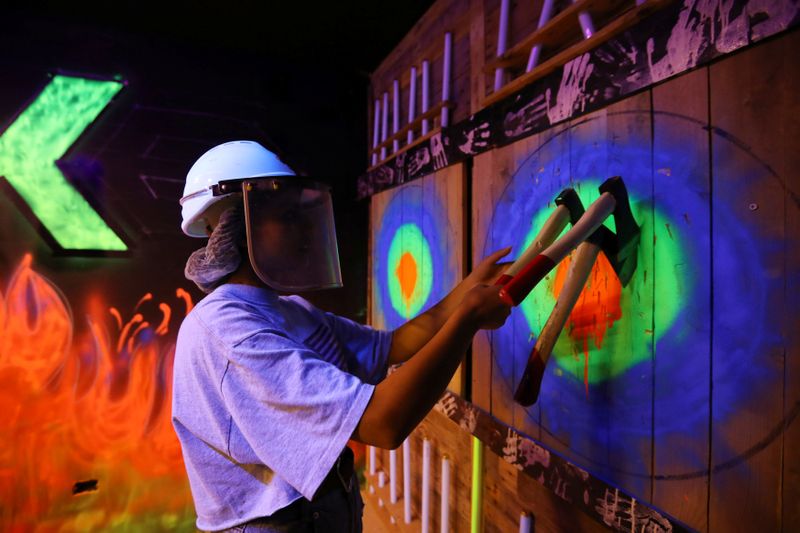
x=88 y=440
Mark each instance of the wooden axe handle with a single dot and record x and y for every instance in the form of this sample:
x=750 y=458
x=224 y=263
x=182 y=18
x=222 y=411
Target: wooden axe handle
x=579 y=269
x=531 y=274
x=551 y=229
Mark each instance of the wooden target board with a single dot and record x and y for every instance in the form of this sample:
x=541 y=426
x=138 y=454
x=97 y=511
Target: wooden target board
x=417 y=248
x=677 y=387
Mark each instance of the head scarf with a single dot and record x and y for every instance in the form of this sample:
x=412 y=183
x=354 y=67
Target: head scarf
x=221 y=256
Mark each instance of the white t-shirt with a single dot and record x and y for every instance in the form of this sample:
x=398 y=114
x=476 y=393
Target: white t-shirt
x=267 y=390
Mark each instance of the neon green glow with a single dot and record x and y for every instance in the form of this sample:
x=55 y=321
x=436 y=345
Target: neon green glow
x=40 y=136
x=409 y=239
x=477 y=486
x=629 y=339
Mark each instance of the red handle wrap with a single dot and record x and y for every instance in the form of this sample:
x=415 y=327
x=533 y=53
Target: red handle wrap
x=528 y=388
x=502 y=280
x=523 y=283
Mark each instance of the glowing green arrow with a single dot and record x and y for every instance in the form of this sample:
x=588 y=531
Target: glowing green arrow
x=41 y=135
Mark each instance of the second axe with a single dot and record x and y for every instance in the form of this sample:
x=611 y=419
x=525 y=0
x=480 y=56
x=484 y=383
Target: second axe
x=621 y=250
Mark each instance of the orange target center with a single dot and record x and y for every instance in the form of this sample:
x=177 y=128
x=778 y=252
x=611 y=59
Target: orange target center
x=407 y=275
x=597 y=308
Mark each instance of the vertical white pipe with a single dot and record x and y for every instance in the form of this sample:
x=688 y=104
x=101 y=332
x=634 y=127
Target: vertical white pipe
x=502 y=40
x=395 y=116
x=393 y=476
x=385 y=124
x=412 y=102
x=544 y=18
x=446 y=74
x=407 y=481
x=426 y=81
x=372 y=460
x=587 y=27
x=525 y=523
x=381 y=479
x=426 y=484
x=445 y=519
x=376 y=134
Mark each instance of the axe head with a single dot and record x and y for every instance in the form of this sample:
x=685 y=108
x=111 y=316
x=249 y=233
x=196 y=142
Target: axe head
x=570 y=199
x=621 y=249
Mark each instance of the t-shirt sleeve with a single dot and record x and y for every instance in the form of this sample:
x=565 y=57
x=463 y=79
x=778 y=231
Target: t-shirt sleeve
x=295 y=410
x=366 y=349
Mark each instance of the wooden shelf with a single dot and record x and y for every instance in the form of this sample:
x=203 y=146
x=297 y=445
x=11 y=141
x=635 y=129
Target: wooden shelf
x=409 y=146
x=402 y=133
x=391 y=514
x=562 y=31
x=515 y=56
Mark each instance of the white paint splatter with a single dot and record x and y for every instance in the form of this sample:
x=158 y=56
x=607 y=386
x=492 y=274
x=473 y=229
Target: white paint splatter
x=704 y=23
x=470 y=420
x=572 y=91
x=476 y=139
x=684 y=46
x=524 y=120
x=621 y=513
x=531 y=454
x=510 y=450
x=780 y=14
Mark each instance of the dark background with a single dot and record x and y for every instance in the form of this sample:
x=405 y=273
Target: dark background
x=292 y=76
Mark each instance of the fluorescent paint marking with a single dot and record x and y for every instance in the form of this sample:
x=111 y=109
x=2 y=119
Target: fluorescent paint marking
x=410 y=276
x=407 y=274
x=601 y=306
x=597 y=308
x=30 y=146
x=476 y=506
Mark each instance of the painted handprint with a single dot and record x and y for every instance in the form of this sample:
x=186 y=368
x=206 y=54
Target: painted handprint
x=525 y=119
x=476 y=139
x=437 y=150
x=419 y=160
x=571 y=94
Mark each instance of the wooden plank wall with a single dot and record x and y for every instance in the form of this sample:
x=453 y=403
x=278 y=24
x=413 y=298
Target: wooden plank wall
x=689 y=400
x=710 y=436
x=685 y=496
x=474 y=24
x=426 y=41
x=753 y=96
x=435 y=204
x=446 y=439
x=508 y=492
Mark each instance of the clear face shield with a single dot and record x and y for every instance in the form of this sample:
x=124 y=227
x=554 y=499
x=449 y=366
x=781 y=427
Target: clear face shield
x=291 y=236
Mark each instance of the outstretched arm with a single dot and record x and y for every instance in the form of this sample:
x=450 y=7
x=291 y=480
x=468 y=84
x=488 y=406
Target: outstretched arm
x=409 y=338
x=431 y=346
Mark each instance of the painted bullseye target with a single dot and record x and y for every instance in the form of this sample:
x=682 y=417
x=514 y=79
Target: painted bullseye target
x=626 y=353
x=413 y=265
x=583 y=349
x=410 y=272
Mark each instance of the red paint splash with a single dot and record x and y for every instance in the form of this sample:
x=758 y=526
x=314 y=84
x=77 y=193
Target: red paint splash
x=407 y=276
x=597 y=308
x=87 y=400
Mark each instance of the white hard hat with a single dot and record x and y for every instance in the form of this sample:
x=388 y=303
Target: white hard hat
x=228 y=161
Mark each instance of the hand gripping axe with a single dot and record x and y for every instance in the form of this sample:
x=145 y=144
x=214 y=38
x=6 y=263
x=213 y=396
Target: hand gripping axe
x=621 y=250
x=551 y=229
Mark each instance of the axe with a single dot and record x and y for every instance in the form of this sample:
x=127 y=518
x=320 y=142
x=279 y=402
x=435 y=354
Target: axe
x=613 y=199
x=552 y=228
x=621 y=250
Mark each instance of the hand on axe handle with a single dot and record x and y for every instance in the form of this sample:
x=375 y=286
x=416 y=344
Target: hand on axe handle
x=613 y=199
x=551 y=229
x=531 y=274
